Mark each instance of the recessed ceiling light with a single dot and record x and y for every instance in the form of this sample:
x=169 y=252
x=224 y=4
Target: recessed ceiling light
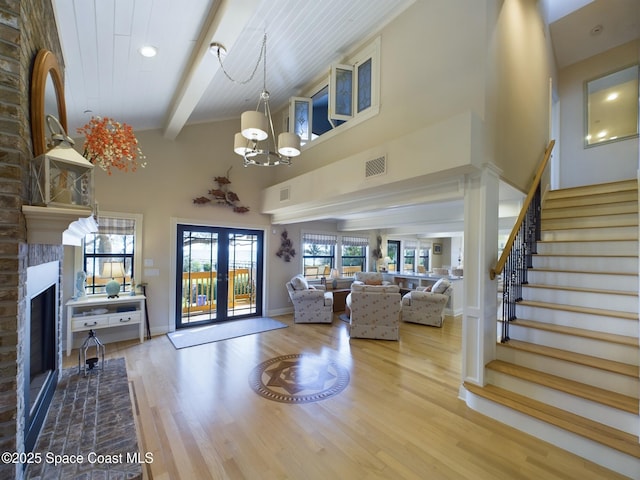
x=597 y=30
x=148 y=51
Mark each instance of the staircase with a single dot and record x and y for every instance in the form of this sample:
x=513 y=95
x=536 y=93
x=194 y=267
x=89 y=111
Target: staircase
x=573 y=354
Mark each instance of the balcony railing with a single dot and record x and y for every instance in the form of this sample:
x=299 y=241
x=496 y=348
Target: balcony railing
x=199 y=290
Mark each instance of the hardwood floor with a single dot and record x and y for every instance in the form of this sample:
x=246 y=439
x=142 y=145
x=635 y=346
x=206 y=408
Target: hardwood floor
x=399 y=417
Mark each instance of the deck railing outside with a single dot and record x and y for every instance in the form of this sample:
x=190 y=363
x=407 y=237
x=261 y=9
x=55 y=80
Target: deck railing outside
x=199 y=290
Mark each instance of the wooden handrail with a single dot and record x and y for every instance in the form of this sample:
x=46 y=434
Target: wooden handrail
x=532 y=191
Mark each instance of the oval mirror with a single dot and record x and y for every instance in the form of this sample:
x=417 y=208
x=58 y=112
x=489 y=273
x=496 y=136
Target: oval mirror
x=47 y=98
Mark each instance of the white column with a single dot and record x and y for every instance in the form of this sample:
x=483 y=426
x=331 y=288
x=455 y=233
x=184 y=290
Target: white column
x=480 y=292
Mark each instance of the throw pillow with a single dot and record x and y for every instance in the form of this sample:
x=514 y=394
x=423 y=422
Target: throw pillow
x=299 y=283
x=373 y=281
x=440 y=286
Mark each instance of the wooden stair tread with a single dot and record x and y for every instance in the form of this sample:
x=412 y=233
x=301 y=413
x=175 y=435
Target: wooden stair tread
x=551 y=226
x=576 y=309
x=576 y=424
x=587 y=240
x=578 y=358
x=578 y=389
x=579 y=332
x=587 y=255
x=582 y=289
x=599 y=209
x=581 y=272
x=601 y=188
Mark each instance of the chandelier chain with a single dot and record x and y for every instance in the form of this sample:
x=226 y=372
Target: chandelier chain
x=262 y=55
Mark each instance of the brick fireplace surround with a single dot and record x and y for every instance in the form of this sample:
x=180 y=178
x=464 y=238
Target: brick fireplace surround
x=26 y=26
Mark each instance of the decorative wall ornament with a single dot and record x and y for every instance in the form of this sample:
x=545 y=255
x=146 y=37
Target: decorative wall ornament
x=376 y=253
x=286 y=250
x=222 y=195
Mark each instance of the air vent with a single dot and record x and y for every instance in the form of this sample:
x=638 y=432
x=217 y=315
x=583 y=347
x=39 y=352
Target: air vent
x=284 y=194
x=375 y=167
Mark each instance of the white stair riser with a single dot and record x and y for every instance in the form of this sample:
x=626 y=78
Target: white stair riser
x=614 y=233
x=625 y=219
x=569 y=343
x=597 y=323
x=580 y=373
x=627 y=247
x=626 y=283
x=622 y=303
x=587 y=264
x=613 y=417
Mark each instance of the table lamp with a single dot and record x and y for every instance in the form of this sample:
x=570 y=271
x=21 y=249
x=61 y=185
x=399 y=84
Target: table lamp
x=112 y=270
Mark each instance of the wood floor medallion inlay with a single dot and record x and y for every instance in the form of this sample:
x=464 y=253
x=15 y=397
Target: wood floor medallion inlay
x=298 y=378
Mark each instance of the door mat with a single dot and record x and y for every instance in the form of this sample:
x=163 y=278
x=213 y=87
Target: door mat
x=191 y=337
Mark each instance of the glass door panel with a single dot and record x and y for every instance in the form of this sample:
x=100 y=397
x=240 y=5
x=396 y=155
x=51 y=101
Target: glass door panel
x=219 y=274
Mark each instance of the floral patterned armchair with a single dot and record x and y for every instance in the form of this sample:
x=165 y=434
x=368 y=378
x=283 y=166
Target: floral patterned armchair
x=310 y=304
x=427 y=307
x=375 y=311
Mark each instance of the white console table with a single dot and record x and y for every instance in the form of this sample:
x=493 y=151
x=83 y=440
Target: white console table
x=97 y=311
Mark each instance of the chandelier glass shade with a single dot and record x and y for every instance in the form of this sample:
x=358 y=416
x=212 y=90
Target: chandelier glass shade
x=256 y=141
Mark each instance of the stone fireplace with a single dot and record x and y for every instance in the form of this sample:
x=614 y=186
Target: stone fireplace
x=27 y=26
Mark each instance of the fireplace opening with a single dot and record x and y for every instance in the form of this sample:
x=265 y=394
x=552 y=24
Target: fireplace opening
x=40 y=377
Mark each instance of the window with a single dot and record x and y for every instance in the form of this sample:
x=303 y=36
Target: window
x=409 y=257
x=354 y=255
x=319 y=254
x=423 y=260
x=393 y=252
x=350 y=94
x=115 y=245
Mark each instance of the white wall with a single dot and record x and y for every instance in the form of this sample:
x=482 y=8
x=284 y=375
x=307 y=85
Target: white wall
x=601 y=163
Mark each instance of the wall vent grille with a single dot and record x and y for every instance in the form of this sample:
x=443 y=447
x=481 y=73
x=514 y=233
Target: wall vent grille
x=285 y=194
x=375 y=167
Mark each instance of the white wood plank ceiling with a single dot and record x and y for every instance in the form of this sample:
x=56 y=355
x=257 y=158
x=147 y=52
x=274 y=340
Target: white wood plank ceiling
x=105 y=74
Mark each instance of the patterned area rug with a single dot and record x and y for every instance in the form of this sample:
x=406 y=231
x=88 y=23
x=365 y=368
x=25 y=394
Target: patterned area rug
x=89 y=432
x=190 y=337
x=298 y=378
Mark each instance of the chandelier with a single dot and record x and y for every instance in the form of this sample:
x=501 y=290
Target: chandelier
x=256 y=140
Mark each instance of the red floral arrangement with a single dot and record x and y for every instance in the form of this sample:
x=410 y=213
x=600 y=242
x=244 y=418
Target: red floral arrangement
x=110 y=144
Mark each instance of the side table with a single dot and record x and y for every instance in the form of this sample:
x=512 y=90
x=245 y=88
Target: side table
x=339 y=298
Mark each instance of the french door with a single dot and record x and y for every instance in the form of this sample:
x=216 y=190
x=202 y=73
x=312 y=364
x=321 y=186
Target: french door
x=219 y=274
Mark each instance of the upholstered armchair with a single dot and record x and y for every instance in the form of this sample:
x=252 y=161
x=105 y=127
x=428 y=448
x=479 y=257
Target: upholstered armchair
x=375 y=311
x=311 y=304
x=427 y=307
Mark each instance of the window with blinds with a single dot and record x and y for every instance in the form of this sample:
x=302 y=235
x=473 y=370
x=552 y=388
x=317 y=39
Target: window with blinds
x=354 y=255
x=319 y=254
x=110 y=249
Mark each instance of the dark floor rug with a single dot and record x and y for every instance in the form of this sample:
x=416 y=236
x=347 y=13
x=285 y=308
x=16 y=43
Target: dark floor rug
x=90 y=416
x=190 y=337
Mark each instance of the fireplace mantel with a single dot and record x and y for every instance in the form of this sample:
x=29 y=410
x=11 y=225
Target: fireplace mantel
x=58 y=226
